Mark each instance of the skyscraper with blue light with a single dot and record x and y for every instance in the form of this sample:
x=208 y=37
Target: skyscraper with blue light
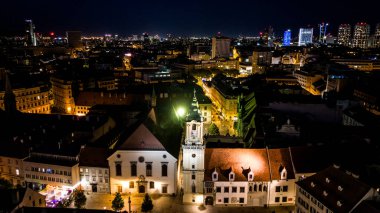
x=287 y=37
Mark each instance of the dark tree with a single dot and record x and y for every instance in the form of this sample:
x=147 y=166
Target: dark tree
x=5 y=184
x=79 y=199
x=147 y=204
x=118 y=202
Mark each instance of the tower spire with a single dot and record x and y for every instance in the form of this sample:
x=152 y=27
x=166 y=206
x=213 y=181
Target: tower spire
x=9 y=96
x=194 y=113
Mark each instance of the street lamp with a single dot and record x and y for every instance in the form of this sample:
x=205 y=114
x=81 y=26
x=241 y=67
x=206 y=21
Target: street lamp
x=181 y=111
x=129 y=202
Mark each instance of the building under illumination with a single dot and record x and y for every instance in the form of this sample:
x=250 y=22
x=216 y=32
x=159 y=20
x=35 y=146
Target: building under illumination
x=29 y=99
x=377 y=36
x=93 y=170
x=63 y=94
x=220 y=47
x=305 y=36
x=361 y=35
x=333 y=190
x=249 y=177
x=140 y=164
x=32 y=39
x=287 y=37
x=344 y=34
x=192 y=157
x=322 y=32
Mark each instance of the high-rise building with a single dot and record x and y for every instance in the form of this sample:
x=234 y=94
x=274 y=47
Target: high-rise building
x=287 y=37
x=74 y=39
x=361 y=35
x=322 y=32
x=220 y=47
x=268 y=36
x=344 y=34
x=305 y=36
x=377 y=36
x=32 y=40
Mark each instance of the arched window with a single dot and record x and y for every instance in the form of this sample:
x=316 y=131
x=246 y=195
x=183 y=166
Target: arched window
x=118 y=169
x=193 y=189
x=148 y=169
x=255 y=188
x=133 y=169
x=194 y=127
x=164 y=170
x=250 y=188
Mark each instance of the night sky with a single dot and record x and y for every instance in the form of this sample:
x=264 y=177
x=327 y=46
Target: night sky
x=181 y=17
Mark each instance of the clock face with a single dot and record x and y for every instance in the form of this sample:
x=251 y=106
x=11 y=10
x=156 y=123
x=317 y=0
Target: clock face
x=141 y=159
x=193 y=155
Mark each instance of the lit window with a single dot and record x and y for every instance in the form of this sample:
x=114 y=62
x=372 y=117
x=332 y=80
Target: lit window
x=17 y=172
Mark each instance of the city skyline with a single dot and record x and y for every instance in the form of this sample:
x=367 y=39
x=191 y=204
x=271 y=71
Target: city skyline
x=181 y=19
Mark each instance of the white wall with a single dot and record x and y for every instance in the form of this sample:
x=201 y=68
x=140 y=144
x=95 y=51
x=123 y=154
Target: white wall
x=156 y=157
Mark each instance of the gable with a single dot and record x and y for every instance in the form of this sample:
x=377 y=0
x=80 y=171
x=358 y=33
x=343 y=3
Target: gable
x=141 y=139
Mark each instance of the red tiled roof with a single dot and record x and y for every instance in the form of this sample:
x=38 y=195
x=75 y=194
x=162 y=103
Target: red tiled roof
x=278 y=159
x=237 y=159
x=324 y=186
x=94 y=157
x=141 y=139
x=90 y=98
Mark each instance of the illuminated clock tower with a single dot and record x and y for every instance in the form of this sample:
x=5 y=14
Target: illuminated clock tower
x=193 y=150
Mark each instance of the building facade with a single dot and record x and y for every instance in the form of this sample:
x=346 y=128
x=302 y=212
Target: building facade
x=331 y=190
x=142 y=165
x=12 y=165
x=62 y=95
x=305 y=36
x=344 y=34
x=220 y=47
x=192 y=156
x=377 y=36
x=287 y=38
x=248 y=177
x=94 y=170
x=361 y=35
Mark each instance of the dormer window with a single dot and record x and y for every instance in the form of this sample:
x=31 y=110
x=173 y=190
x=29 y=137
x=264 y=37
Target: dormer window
x=250 y=176
x=340 y=188
x=232 y=176
x=327 y=180
x=215 y=176
x=284 y=174
x=338 y=203
x=312 y=184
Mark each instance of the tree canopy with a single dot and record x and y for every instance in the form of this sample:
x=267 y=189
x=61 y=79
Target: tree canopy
x=147 y=204
x=118 y=202
x=79 y=199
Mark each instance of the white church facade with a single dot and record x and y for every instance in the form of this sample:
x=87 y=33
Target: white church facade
x=142 y=165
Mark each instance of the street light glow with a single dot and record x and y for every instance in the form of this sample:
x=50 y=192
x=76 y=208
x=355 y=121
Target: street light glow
x=181 y=111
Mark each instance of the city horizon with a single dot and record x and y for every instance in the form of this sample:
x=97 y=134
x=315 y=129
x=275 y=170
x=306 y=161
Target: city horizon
x=179 y=19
